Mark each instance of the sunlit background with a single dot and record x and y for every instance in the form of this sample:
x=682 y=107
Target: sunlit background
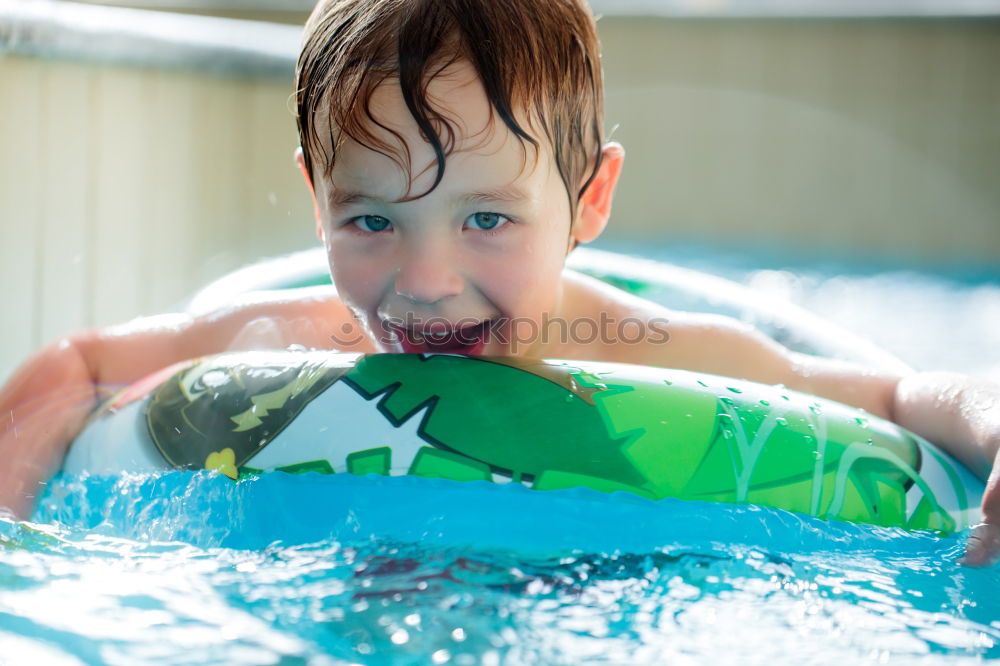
x=146 y=146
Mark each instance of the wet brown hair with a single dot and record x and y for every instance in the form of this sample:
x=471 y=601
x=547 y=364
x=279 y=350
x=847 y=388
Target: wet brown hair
x=538 y=59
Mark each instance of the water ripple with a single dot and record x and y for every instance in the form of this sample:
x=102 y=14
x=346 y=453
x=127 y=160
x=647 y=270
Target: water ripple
x=191 y=568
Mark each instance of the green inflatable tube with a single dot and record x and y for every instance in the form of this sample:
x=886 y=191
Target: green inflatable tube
x=546 y=424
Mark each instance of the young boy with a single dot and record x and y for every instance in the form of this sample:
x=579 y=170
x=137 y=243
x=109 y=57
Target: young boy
x=455 y=156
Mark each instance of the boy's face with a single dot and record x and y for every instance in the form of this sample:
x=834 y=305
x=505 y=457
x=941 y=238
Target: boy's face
x=471 y=266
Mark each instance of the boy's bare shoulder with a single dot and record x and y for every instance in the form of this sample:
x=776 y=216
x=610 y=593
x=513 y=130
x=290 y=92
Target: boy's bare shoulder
x=592 y=297
x=721 y=345
x=312 y=317
x=675 y=338
x=122 y=353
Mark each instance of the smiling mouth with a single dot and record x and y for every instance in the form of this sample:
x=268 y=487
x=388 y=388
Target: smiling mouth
x=465 y=340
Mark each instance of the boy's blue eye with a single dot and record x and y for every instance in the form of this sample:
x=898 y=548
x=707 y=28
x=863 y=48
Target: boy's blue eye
x=486 y=221
x=371 y=223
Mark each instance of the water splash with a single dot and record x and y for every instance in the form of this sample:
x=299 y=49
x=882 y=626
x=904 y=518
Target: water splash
x=193 y=568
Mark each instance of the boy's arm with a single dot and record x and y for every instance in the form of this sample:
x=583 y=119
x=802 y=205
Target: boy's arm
x=42 y=407
x=47 y=400
x=962 y=414
x=959 y=413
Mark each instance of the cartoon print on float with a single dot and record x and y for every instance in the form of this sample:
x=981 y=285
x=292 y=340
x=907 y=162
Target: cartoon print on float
x=547 y=424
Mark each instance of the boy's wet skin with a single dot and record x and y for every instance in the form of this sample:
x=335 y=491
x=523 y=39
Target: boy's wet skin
x=457 y=267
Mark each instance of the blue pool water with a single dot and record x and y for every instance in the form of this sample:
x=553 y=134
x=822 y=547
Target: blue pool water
x=193 y=569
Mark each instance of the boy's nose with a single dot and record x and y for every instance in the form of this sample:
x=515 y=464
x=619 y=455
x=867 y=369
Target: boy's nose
x=427 y=277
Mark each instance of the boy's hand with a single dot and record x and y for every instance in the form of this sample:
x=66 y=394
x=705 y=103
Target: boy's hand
x=41 y=408
x=983 y=547
x=962 y=414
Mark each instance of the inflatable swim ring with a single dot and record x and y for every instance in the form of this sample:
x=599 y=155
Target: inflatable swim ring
x=546 y=424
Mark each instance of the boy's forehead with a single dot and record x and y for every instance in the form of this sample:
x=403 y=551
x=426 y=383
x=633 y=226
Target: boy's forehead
x=457 y=94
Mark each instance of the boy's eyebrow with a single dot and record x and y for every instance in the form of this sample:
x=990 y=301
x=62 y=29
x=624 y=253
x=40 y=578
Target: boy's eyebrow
x=339 y=197
x=508 y=194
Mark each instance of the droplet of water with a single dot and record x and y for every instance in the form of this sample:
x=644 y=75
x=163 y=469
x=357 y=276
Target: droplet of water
x=734 y=389
x=765 y=403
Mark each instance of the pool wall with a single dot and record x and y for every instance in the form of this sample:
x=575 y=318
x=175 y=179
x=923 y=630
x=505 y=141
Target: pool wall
x=145 y=153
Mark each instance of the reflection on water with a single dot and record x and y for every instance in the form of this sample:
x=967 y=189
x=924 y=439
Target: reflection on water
x=148 y=569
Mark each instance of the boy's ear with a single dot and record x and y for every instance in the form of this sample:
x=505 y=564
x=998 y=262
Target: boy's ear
x=301 y=161
x=595 y=204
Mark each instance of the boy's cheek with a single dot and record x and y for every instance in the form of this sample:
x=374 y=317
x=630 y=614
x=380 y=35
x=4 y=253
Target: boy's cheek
x=352 y=268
